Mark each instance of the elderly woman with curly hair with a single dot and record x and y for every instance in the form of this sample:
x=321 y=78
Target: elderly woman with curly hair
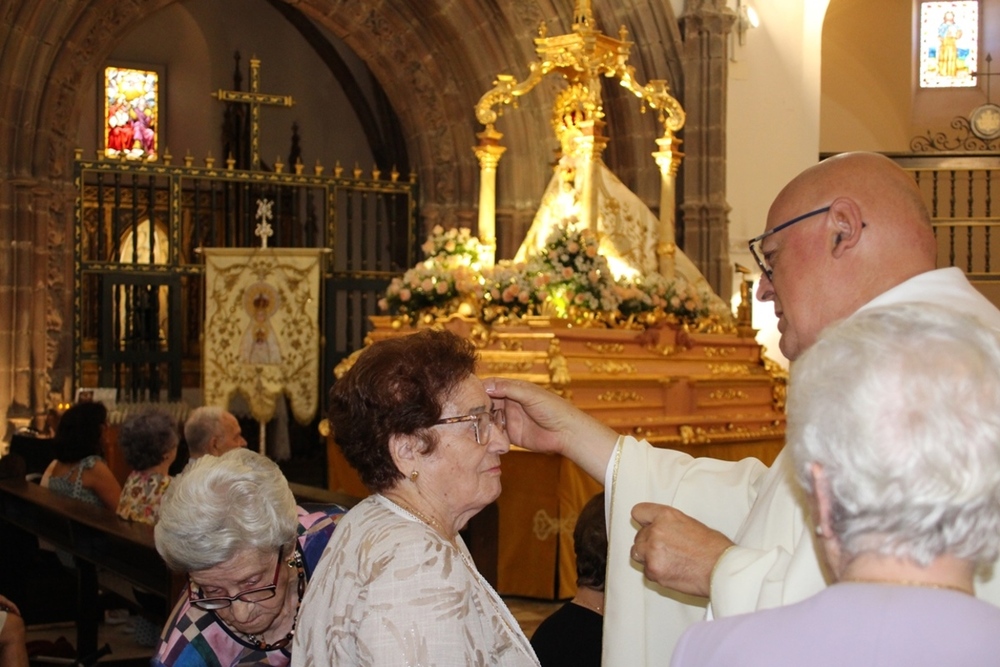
x=894 y=429
x=397 y=585
x=149 y=440
x=231 y=523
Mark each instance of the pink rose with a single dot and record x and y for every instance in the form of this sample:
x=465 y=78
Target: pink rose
x=404 y=294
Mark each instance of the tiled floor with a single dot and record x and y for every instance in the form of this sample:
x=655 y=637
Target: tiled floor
x=124 y=650
x=529 y=613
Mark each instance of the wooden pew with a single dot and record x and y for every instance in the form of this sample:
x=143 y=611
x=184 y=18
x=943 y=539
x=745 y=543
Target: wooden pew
x=95 y=537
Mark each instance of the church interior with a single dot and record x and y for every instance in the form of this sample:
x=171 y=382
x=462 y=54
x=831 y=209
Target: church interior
x=353 y=144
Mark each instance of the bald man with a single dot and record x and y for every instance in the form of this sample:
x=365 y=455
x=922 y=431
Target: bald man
x=212 y=430
x=722 y=538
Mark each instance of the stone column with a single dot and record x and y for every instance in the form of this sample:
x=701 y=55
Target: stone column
x=705 y=26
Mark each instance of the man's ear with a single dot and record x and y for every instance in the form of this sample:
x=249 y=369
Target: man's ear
x=846 y=225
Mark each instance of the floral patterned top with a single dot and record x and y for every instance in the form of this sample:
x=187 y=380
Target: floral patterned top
x=391 y=592
x=141 y=495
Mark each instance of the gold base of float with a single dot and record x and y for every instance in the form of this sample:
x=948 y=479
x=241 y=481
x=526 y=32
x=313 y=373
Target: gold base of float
x=706 y=394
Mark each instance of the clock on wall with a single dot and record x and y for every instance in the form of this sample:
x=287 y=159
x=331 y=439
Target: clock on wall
x=985 y=121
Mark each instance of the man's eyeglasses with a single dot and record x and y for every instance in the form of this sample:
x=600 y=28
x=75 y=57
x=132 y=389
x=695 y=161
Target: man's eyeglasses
x=221 y=602
x=757 y=243
x=482 y=421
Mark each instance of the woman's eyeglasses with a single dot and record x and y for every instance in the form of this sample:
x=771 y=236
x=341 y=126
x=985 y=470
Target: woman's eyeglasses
x=482 y=421
x=221 y=602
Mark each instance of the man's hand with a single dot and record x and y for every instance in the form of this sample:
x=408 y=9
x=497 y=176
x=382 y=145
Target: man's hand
x=541 y=421
x=675 y=550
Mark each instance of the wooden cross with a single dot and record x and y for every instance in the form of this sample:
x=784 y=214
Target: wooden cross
x=254 y=98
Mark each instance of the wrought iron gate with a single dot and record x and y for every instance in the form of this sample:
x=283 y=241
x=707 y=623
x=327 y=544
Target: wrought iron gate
x=139 y=292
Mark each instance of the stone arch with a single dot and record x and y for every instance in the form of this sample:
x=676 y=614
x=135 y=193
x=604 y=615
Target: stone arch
x=433 y=59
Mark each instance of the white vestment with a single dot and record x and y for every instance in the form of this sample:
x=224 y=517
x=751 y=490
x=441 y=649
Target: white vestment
x=761 y=509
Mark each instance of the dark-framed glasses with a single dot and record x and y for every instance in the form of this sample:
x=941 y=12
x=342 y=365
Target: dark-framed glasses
x=757 y=243
x=221 y=602
x=482 y=421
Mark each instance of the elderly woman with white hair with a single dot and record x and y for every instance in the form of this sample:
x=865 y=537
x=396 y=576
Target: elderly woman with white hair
x=894 y=430
x=231 y=523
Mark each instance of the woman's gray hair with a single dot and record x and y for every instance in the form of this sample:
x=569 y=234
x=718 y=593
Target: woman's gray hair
x=900 y=405
x=222 y=505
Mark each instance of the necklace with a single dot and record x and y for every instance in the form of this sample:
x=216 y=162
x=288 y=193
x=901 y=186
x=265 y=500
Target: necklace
x=258 y=641
x=589 y=598
x=406 y=507
x=592 y=607
x=908 y=582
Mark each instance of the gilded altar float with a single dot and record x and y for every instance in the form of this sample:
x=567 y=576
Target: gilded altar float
x=598 y=305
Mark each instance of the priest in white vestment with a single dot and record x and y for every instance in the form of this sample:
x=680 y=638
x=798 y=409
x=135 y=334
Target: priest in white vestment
x=725 y=538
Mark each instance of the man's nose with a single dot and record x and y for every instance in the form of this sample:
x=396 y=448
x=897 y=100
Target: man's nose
x=765 y=289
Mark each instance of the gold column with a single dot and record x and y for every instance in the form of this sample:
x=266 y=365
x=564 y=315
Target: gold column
x=588 y=148
x=488 y=152
x=668 y=159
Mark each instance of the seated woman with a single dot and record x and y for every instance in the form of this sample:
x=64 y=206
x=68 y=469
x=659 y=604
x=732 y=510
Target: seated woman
x=231 y=523
x=79 y=471
x=894 y=428
x=149 y=440
x=572 y=635
x=397 y=585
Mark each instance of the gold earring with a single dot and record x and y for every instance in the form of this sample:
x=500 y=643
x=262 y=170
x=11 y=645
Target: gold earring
x=414 y=475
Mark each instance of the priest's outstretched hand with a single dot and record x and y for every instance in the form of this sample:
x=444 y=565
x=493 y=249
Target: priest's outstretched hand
x=541 y=421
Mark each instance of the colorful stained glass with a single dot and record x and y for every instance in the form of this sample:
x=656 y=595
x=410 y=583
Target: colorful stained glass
x=131 y=113
x=949 y=44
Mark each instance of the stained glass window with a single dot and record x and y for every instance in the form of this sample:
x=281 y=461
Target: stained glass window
x=949 y=44
x=131 y=113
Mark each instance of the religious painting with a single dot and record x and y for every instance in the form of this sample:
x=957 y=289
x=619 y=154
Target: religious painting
x=262 y=329
x=949 y=44
x=131 y=113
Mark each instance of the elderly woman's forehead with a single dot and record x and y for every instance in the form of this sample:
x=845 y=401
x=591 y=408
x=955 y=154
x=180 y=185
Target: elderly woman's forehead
x=245 y=560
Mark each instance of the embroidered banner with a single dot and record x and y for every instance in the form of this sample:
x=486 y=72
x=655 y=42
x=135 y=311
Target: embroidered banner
x=262 y=328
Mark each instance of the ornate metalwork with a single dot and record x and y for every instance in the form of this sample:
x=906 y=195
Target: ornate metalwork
x=964 y=140
x=729 y=395
x=500 y=367
x=620 y=396
x=606 y=348
x=610 y=367
x=728 y=369
x=720 y=351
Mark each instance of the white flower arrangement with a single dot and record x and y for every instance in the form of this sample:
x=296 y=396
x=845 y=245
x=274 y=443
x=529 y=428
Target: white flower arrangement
x=568 y=278
x=578 y=277
x=449 y=274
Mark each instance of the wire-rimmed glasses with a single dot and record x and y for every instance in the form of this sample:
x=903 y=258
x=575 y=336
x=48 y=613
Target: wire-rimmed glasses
x=482 y=421
x=221 y=601
x=757 y=243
